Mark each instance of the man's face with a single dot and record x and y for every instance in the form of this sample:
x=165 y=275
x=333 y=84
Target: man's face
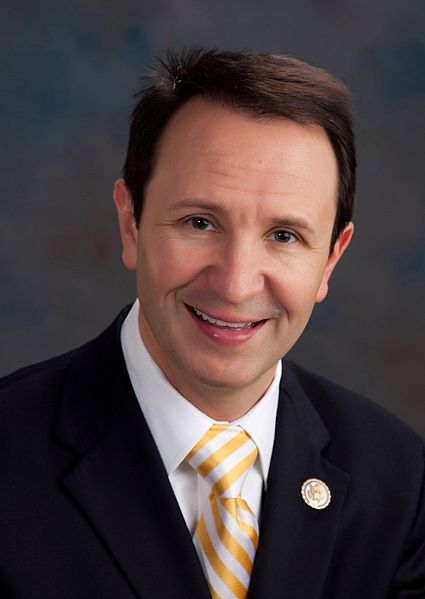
x=232 y=250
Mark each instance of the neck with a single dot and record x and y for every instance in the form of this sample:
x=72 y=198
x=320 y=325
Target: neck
x=220 y=403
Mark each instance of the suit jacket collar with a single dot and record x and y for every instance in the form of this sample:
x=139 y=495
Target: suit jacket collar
x=120 y=485
x=297 y=541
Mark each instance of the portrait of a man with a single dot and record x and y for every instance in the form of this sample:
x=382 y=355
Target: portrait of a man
x=181 y=454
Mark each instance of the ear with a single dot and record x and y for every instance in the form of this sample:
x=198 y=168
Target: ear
x=339 y=248
x=127 y=224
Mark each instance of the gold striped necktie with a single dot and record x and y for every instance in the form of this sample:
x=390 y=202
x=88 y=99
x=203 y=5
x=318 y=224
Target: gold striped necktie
x=226 y=537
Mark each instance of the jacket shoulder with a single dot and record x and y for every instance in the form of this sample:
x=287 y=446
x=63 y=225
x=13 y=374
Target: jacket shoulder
x=353 y=417
x=30 y=391
x=34 y=371
x=38 y=378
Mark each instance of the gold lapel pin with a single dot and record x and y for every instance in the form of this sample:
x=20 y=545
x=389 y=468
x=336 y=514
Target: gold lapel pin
x=316 y=493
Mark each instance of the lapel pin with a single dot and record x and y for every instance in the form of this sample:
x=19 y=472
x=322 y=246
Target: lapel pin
x=316 y=493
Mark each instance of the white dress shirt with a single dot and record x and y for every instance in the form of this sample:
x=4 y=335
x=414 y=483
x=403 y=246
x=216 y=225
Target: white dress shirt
x=177 y=425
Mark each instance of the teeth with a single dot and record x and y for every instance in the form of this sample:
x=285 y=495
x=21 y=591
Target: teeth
x=222 y=323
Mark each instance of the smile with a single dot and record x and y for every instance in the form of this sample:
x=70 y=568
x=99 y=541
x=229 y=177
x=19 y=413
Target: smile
x=223 y=324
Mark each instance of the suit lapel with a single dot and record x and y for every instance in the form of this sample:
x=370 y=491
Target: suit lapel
x=297 y=541
x=119 y=482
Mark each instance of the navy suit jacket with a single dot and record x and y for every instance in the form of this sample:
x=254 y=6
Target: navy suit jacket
x=87 y=511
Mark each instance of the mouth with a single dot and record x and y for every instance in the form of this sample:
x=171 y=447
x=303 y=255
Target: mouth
x=223 y=324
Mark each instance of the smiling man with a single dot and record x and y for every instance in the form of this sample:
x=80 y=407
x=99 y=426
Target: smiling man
x=232 y=249
x=177 y=455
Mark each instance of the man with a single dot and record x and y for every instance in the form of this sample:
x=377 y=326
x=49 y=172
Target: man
x=176 y=456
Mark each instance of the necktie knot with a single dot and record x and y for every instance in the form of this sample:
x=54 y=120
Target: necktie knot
x=223 y=457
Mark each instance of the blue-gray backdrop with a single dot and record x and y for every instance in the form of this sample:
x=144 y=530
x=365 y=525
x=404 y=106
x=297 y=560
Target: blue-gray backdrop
x=68 y=72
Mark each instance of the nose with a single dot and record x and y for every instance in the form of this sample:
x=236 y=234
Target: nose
x=238 y=272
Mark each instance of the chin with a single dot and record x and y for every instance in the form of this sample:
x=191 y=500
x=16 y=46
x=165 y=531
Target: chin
x=226 y=377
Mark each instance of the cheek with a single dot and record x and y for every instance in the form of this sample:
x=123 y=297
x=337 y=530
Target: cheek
x=295 y=285
x=169 y=265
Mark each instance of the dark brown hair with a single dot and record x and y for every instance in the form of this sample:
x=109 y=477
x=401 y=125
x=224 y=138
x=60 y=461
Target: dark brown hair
x=263 y=86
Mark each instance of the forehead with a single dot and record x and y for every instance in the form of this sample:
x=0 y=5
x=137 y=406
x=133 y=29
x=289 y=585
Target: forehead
x=210 y=142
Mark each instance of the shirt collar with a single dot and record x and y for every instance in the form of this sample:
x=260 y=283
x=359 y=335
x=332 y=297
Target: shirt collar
x=176 y=424
x=260 y=422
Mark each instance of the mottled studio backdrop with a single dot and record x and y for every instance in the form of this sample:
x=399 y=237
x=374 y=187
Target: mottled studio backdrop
x=68 y=73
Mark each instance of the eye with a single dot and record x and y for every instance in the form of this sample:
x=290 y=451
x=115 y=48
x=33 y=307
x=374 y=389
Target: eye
x=284 y=237
x=200 y=223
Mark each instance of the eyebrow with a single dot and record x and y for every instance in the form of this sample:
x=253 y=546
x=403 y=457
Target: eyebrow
x=198 y=203
x=297 y=222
